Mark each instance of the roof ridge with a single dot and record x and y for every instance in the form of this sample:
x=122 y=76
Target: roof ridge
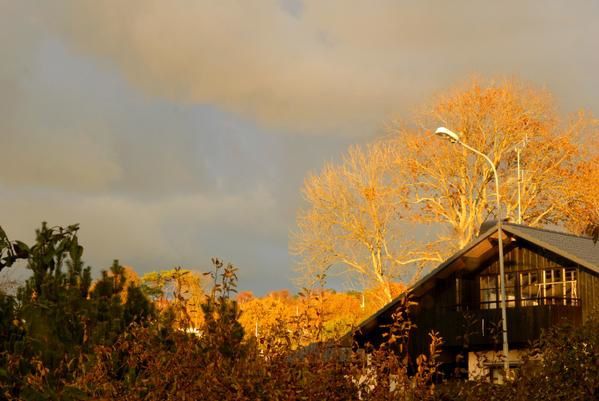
x=548 y=230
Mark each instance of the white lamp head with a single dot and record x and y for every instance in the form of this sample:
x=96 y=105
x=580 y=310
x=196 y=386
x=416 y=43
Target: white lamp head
x=447 y=134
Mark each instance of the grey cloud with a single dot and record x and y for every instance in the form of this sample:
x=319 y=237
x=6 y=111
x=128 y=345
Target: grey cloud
x=327 y=66
x=146 y=234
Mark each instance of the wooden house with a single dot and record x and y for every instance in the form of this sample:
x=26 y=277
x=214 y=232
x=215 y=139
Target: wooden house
x=551 y=278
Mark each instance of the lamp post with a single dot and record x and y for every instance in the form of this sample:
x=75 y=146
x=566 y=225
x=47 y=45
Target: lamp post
x=455 y=138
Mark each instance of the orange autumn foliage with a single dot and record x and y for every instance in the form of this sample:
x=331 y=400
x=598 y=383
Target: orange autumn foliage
x=454 y=188
x=337 y=311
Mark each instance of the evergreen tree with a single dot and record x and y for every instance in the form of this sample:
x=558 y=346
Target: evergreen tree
x=58 y=316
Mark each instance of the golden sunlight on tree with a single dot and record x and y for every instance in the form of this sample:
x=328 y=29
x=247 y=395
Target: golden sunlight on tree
x=279 y=311
x=179 y=289
x=352 y=224
x=261 y=315
x=454 y=187
x=583 y=212
x=374 y=297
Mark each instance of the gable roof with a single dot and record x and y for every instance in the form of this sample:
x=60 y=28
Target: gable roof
x=581 y=250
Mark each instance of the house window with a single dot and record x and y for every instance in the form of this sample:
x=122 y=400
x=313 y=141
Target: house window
x=558 y=287
x=570 y=293
x=554 y=286
x=529 y=288
x=510 y=290
x=532 y=278
x=490 y=291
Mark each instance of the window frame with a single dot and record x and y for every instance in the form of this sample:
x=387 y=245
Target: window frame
x=533 y=278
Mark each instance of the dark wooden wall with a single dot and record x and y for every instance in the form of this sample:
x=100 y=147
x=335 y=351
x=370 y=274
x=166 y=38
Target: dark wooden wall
x=588 y=291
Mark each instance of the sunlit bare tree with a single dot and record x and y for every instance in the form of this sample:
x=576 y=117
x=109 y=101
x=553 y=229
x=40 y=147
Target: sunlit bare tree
x=352 y=224
x=453 y=187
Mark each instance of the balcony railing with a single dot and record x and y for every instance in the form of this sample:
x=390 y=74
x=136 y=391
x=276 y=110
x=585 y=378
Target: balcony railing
x=525 y=302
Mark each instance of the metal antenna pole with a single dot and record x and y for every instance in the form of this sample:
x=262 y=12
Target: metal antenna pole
x=519 y=149
x=519 y=183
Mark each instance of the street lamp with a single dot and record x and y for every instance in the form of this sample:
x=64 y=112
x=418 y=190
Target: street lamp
x=455 y=138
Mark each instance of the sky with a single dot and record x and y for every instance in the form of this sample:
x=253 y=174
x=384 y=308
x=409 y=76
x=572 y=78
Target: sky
x=177 y=131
